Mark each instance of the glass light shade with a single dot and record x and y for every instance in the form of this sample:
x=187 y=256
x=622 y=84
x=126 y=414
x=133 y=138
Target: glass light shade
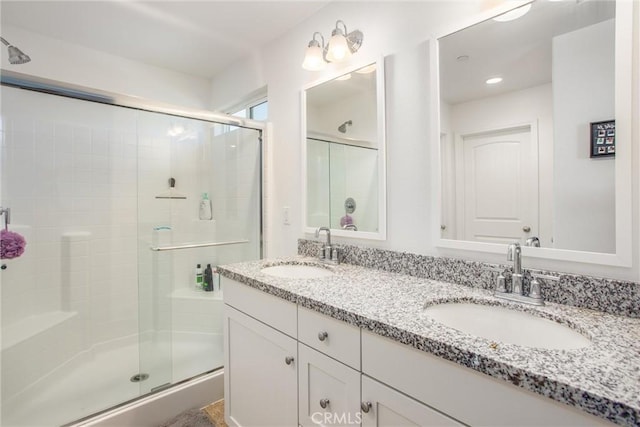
x=338 y=48
x=513 y=14
x=313 y=60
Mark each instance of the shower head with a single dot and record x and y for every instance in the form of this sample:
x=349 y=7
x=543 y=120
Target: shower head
x=16 y=56
x=343 y=127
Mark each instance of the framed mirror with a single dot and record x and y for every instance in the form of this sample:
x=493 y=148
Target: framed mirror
x=344 y=153
x=534 y=135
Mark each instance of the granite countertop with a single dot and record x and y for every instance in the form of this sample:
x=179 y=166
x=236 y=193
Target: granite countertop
x=602 y=379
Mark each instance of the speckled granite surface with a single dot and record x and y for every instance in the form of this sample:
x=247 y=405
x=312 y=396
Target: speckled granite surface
x=602 y=379
x=611 y=296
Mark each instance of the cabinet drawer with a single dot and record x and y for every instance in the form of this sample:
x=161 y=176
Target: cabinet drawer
x=274 y=311
x=389 y=408
x=462 y=393
x=330 y=336
x=326 y=382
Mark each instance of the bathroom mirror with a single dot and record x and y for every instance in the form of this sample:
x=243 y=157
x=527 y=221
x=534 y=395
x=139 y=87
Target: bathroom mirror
x=344 y=153
x=535 y=128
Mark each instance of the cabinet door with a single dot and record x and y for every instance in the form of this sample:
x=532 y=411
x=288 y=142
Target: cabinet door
x=260 y=377
x=383 y=406
x=329 y=390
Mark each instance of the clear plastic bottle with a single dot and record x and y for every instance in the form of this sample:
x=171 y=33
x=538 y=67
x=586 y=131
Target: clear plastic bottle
x=205 y=208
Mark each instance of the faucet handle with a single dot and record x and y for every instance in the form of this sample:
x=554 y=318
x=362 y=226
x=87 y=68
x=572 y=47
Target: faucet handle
x=501 y=283
x=334 y=255
x=534 y=291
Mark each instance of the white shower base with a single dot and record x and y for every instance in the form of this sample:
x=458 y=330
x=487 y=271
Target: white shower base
x=99 y=379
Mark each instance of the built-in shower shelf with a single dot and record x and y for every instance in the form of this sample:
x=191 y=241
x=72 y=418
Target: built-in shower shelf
x=187 y=293
x=32 y=326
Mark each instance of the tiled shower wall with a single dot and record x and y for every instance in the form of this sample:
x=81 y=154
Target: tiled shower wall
x=69 y=177
x=81 y=179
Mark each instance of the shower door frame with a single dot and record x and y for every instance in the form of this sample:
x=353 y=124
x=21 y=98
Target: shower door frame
x=68 y=90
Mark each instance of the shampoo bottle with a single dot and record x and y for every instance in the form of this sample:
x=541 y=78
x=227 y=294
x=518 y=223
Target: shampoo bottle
x=208 y=278
x=199 y=278
x=205 y=208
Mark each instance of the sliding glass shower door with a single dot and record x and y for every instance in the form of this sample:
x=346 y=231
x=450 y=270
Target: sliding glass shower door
x=102 y=306
x=198 y=205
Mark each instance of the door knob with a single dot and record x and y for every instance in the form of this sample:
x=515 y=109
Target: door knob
x=288 y=360
x=322 y=335
x=526 y=229
x=324 y=403
x=365 y=407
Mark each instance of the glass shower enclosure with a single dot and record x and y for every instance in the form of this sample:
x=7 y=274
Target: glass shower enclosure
x=118 y=206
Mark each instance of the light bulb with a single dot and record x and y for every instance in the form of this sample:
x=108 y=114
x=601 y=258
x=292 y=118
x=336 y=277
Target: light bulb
x=338 y=48
x=313 y=59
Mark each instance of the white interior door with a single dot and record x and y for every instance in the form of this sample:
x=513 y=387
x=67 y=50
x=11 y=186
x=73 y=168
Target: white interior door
x=498 y=178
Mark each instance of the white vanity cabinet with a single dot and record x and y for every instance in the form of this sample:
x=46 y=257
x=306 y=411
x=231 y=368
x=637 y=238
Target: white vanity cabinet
x=286 y=365
x=260 y=378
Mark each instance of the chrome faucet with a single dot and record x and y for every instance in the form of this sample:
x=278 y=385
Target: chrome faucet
x=328 y=253
x=514 y=253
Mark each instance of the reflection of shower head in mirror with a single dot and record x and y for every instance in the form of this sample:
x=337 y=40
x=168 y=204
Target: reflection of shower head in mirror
x=343 y=127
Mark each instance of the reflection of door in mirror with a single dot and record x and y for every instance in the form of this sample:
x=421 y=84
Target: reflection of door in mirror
x=557 y=65
x=497 y=176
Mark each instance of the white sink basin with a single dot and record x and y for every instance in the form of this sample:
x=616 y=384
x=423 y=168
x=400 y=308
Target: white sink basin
x=297 y=271
x=500 y=324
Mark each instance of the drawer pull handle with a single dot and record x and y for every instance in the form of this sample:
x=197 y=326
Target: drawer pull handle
x=365 y=407
x=322 y=335
x=324 y=403
x=288 y=360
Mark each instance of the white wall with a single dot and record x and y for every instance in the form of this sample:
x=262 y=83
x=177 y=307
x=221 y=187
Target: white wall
x=359 y=108
x=392 y=29
x=70 y=63
x=583 y=78
x=398 y=31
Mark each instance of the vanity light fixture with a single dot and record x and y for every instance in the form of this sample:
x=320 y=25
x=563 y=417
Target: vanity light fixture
x=314 y=58
x=493 y=80
x=513 y=14
x=340 y=47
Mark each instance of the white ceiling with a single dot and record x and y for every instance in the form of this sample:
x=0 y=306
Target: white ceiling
x=194 y=37
x=519 y=51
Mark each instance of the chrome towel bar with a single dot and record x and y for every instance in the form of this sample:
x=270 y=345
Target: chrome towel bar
x=195 y=245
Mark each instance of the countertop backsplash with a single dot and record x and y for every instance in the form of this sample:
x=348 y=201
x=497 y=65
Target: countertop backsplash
x=617 y=297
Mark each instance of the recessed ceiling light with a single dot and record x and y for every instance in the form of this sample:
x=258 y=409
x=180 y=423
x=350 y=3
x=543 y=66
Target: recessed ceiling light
x=493 y=80
x=513 y=14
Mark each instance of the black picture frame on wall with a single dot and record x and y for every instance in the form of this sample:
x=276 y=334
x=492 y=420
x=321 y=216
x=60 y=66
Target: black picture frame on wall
x=603 y=139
